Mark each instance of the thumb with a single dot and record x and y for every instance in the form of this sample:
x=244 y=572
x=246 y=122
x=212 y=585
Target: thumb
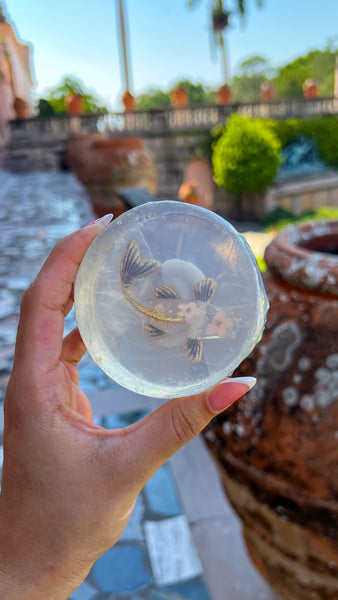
x=159 y=435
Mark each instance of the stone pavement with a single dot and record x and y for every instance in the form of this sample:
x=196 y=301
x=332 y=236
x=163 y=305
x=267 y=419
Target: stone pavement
x=183 y=540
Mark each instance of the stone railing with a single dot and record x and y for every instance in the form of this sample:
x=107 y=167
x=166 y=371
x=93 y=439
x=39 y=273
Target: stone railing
x=171 y=120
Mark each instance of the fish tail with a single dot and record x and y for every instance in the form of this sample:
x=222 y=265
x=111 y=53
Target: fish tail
x=132 y=265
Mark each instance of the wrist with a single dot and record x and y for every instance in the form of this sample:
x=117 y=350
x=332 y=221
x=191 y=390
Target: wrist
x=29 y=572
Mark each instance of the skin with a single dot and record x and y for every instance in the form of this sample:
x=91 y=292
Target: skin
x=68 y=485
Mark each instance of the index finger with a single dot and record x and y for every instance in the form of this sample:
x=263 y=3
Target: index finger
x=43 y=305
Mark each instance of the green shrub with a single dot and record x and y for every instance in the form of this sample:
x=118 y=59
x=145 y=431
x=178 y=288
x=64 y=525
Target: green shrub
x=323 y=129
x=280 y=218
x=246 y=156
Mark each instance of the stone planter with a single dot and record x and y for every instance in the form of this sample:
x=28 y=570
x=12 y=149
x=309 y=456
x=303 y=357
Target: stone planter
x=104 y=165
x=278 y=446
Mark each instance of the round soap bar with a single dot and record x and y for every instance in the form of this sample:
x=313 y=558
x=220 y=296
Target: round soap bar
x=169 y=299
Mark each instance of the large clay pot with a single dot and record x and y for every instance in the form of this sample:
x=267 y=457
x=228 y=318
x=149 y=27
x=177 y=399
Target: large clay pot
x=278 y=445
x=104 y=165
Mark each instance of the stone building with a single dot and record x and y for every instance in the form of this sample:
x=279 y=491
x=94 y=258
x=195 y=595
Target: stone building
x=16 y=81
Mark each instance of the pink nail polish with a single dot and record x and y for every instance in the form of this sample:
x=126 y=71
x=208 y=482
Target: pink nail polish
x=228 y=391
x=105 y=220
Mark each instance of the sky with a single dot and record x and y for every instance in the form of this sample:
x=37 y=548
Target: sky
x=167 y=42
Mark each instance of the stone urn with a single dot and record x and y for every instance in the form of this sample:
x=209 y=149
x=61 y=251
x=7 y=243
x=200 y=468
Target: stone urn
x=310 y=89
x=74 y=104
x=277 y=447
x=105 y=165
x=179 y=96
x=267 y=92
x=21 y=108
x=223 y=95
x=128 y=101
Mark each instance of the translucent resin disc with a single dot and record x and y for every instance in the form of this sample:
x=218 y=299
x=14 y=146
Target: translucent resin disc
x=169 y=299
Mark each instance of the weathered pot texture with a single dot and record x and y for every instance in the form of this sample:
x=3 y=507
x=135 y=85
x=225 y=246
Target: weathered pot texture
x=278 y=446
x=103 y=165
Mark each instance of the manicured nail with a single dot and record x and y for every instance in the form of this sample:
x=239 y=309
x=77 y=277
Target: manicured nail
x=105 y=220
x=228 y=391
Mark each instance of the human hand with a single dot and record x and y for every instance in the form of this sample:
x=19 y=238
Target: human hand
x=68 y=485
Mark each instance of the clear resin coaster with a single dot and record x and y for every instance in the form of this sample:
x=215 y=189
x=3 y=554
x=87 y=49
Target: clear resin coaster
x=169 y=299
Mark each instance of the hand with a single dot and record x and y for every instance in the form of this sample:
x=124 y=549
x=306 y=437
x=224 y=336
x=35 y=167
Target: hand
x=68 y=485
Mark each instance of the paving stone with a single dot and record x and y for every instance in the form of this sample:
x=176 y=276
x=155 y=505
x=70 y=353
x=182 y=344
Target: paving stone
x=228 y=571
x=198 y=482
x=134 y=529
x=173 y=555
x=84 y=592
x=122 y=569
x=161 y=495
x=191 y=590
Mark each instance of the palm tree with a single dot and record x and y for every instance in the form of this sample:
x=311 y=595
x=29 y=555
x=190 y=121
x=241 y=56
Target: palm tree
x=220 y=18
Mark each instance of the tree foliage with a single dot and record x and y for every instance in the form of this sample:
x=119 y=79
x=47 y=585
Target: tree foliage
x=156 y=98
x=317 y=64
x=56 y=97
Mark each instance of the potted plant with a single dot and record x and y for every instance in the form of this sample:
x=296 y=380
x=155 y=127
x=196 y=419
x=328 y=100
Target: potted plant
x=245 y=160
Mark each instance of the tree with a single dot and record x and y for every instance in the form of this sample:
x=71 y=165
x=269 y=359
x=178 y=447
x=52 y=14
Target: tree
x=153 y=98
x=252 y=72
x=156 y=98
x=317 y=64
x=220 y=21
x=56 y=97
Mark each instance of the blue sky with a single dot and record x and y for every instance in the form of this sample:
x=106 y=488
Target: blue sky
x=167 y=41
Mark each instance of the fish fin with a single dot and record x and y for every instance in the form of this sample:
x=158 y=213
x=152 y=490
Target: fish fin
x=153 y=332
x=193 y=349
x=205 y=289
x=133 y=266
x=164 y=291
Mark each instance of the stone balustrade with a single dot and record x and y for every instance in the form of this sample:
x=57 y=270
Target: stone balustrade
x=171 y=120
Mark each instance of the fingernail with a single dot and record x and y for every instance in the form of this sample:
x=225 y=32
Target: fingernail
x=228 y=391
x=105 y=220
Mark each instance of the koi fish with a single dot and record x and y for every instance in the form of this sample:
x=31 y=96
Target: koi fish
x=170 y=309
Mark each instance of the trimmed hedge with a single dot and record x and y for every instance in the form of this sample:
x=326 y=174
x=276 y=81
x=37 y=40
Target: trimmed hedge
x=323 y=129
x=246 y=156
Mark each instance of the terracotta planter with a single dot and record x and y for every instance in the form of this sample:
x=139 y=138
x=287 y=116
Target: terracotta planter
x=104 y=165
x=21 y=108
x=223 y=95
x=129 y=101
x=74 y=104
x=179 y=96
x=310 y=89
x=278 y=446
x=268 y=92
